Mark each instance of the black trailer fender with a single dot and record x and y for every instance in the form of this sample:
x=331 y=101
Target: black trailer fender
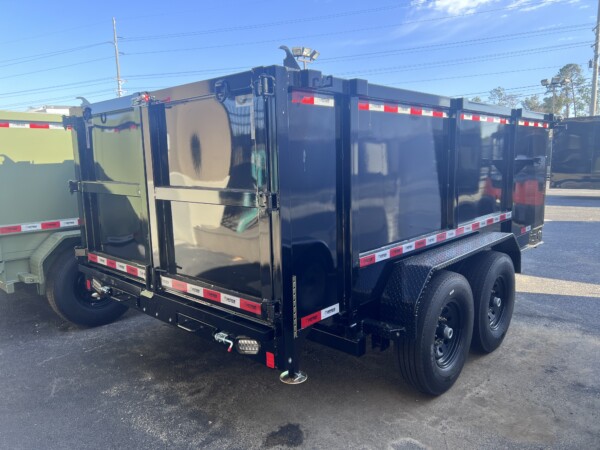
x=403 y=292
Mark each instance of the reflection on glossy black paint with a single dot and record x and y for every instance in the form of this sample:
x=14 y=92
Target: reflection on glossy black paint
x=529 y=189
x=210 y=249
x=118 y=158
x=576 y=154
x=309 y=184
x=397 y=172
x=479 y=170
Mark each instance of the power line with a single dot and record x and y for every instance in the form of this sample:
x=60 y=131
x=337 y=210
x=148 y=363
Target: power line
x=336 y=15
x=473 y=75
x=268 y=24
x=55 y=68
x=78 y=84
x=26 y=59
x=385 y=70
x=284 y=39
x=490 y=57
x=89 y=94
x=481 y=40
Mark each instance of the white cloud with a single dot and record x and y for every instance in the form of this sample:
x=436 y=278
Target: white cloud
x=452 y=6
x=529 y=5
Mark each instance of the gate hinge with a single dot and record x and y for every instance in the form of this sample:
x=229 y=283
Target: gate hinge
x=272 y=309
x=268 y=201
x=73 y=186
x=69 y=122
x=265 y=85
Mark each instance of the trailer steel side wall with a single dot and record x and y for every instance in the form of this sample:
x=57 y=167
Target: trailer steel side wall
x=37 y=214
x=576 y=154
x=275 y=203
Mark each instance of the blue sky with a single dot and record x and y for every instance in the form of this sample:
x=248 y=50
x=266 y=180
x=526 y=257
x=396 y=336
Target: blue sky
x=53 y=52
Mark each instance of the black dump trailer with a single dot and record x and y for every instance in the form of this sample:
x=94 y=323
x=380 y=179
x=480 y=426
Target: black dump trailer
x=576 y=154
x=275 y=205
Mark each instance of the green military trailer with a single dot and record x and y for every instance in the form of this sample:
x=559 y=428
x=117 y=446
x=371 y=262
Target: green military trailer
x=39 y=219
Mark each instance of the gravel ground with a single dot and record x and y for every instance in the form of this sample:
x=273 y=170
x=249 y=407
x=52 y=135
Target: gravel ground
x=139 y=383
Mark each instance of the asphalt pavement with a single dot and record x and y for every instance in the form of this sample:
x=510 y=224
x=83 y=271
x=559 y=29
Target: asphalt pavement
x=139 y=383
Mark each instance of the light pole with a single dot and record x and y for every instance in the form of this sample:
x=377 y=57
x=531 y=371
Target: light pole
x=305 y=55
x=551 y=86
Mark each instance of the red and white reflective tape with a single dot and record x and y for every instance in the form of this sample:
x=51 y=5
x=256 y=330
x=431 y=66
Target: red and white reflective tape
x=33 y=125
x=311 y=99
x=313 y=318
x=489 y=119
x=374 y=256
x=401 y=109
x=118 y=265
x=39 y=226
x=525 y=229
x=212 y=295
x=530 y=123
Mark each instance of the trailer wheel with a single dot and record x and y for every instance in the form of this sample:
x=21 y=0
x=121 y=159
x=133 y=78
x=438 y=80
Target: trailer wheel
x=69 y=298
x=433 y=361
x=492 y=279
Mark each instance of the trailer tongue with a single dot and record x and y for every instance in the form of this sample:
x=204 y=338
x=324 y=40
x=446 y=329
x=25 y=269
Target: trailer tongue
x=275 y=205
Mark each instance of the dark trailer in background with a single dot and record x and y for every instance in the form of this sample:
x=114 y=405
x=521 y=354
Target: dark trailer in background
x=576 y=154
x=276 y=205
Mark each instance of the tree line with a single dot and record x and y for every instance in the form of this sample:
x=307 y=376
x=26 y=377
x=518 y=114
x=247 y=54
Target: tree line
x=569 y=99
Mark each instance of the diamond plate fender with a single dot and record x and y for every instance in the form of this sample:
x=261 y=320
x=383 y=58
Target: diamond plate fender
x=401 y=299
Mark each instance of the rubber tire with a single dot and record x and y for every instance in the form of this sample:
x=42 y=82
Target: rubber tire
x=67 y=302
x=418 y=365
x=482 y=272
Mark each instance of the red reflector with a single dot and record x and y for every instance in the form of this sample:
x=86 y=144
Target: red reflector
x=416 y=111
x=179 y=285
x=270 y=360
x=475 y=226
x=132 y=271
x=390 y=108
x=421 y=243
x=367 y=260
x=310 y=320
x=3 y=124
x=441 y=237
x=363 y=106
x=11 y=229
x=50 y=225
x=249 y=306
x=111 y=263
x=438 y=114
x=396 y=251
x=39 y=125
x=212 y=295
x=88 y=285
x=92 y=257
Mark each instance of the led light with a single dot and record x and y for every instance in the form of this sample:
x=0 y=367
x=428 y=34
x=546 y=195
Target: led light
x=297 y=51
x=247 y=346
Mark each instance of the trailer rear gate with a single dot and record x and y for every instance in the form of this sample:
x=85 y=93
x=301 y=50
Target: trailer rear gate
x=279 y=197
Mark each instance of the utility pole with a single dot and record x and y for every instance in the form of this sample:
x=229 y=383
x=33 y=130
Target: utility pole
x=116 y=44
x=594 y=102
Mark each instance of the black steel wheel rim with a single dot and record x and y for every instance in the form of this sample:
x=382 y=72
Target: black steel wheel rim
x=84 y=297
x=497 y=303
x=447 y=348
